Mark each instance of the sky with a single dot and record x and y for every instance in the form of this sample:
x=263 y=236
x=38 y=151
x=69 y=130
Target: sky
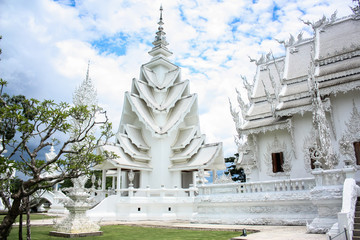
x=47 y=45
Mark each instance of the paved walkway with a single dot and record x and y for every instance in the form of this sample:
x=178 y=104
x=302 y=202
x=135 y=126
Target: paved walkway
x=264 y=232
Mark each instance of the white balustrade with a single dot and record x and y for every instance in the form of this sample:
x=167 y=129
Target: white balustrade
x=147 y=192
x=254 y=187
x=321 y=177
x=331 y=177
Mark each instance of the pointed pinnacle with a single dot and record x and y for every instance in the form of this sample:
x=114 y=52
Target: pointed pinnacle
x=87 y=72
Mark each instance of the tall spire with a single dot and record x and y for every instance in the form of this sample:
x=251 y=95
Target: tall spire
x=160 y=42
x=160 y=37
x=87 y=72
x=85 y=94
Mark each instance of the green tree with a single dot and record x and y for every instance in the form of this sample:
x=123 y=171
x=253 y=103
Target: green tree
x=28 y=126
x=237 y=174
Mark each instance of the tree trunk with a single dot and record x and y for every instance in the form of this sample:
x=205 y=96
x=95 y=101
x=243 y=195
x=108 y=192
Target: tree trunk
x=9 y=219
x=28 y=229
x=20 y=225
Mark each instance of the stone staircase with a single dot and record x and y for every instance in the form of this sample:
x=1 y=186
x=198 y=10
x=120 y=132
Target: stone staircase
x=356 y=232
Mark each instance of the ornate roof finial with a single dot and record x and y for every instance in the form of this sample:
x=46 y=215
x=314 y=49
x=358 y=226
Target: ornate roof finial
x=161 y=9
x=160 y=42
x=356 y=9
x=87 y=72
x=160 y=35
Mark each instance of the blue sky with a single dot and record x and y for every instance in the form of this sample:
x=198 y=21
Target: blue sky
x=47 y=45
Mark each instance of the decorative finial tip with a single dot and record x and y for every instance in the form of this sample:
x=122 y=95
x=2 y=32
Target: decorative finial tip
x=87 y=72
x=161 y=9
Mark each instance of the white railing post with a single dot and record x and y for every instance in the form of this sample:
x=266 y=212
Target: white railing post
x=147 y=191
x=131 y=191
x=318 y=174
x=191 y=190
x=162 y=191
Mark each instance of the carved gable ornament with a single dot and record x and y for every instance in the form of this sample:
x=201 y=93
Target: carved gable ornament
x=351 y=135
x=277 y=147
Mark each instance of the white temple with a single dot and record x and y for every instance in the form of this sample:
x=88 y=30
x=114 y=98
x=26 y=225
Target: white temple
x=298 y=140
x=298 y=136
x=159 y=144
x=307 y=98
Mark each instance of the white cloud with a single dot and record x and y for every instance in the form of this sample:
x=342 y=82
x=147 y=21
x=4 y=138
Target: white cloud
x=46 y=46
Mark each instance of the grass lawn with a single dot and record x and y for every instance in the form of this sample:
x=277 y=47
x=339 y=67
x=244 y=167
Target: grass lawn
x=33 y=216
x=122 y=232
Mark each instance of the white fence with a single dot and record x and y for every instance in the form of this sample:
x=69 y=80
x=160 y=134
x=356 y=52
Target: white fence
x=264 y=186
x=146 y=192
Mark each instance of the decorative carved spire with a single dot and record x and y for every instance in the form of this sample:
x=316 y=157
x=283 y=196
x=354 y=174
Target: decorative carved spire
x=323 y=145
x=160 y=42
x=160 y=37
x=235 y=115
x=86 y=93
x=356 y=9
x=243 y=106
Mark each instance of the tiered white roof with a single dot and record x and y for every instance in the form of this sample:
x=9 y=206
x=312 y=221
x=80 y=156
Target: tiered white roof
x=160 y=110
x=281 y=89
x=285 y=86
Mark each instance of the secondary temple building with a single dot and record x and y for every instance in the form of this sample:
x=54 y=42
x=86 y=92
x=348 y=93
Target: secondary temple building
x=309 y=97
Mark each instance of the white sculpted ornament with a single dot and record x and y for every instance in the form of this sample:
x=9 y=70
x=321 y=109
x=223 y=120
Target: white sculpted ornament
x=320 y=123
x=77 y=221
x=351 y=135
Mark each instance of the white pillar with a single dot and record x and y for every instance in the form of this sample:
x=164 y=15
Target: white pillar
x=103 y=180
x=113 y=182
x=214 y=175
x=194 y=173
x=118 y=180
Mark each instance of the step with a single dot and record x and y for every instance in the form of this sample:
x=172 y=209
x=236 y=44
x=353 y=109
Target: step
x=357 y=208
x=356 y=233
x=357 y=226
x=356 y=219
x=357 y=213
x=355 y=238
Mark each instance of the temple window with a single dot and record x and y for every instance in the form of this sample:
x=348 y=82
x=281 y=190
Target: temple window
x=312 y=161
x=357 y=152
x=277 y=161
x=186 y=179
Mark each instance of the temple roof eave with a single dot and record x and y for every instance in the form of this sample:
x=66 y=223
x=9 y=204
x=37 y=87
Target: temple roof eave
x=174 y=94
x=265 y=125
x=122 y=160
x=184 y=137
x=135 y=136
x=209 y=157
x=190 y=150
x=160 y=50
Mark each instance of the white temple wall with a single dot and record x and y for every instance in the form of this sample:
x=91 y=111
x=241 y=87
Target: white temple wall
x=144 y=179
x=302 y=133
x=160 y=175
x=143 y=208
x=176 y=179
x=342 y=107
x=271 y=208
x=264 y=155
x=341 y=104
